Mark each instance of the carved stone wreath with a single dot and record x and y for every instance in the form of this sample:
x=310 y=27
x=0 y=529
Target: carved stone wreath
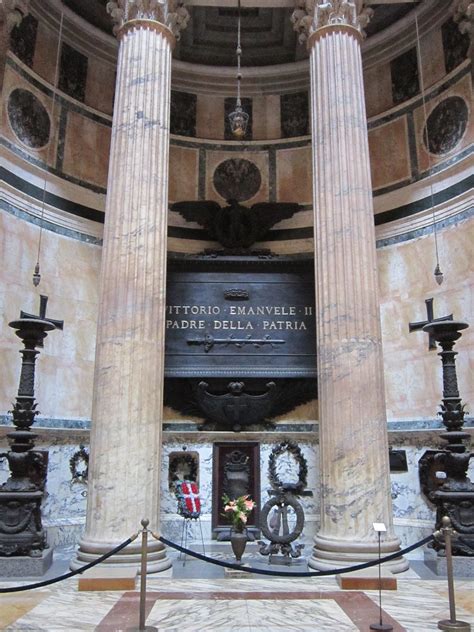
x=79 y=475
x=295 y=450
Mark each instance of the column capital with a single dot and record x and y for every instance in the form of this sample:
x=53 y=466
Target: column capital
x=311 y=15
x=464 y=16
x=12 y=13
x=169 y=13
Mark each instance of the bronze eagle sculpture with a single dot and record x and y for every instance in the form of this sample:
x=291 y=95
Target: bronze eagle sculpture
x=235 y=226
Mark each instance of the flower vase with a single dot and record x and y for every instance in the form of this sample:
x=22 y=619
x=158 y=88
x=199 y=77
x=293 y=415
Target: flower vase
x=238 y=540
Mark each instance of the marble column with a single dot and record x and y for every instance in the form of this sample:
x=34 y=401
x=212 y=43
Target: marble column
x=124 y=467
x=355 y=483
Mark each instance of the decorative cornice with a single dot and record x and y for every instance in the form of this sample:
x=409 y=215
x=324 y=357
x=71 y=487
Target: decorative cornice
x=170 y=13
x=311 y=15
x=12 y=13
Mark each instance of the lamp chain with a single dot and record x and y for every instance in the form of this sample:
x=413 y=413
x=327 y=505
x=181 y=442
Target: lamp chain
x=239 y=53
x=437 y=272
x=36 y=274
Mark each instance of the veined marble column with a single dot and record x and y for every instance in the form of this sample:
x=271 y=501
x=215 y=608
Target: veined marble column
x=124 y=466
x=355 y=484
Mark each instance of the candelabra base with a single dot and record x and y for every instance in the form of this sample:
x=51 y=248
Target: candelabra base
x=26 y=566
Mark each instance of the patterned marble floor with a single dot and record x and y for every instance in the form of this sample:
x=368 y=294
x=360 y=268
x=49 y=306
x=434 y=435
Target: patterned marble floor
x=244 y=604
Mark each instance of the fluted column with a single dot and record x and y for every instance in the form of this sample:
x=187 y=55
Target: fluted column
x=355 y=484
x=124 y=466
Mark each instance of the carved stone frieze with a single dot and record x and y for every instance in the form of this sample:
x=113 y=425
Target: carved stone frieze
x=170 y=13
x=12 y=13
x=311 y=15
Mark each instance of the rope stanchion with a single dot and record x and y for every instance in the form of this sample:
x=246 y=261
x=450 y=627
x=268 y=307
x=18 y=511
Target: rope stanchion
x=262 y=571
x=60 y=578
x=205 y=558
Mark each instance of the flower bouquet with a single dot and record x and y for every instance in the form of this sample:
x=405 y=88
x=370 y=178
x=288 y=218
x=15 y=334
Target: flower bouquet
x=238 y=511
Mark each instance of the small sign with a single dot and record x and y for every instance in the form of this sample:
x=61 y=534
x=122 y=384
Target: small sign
x=379 y=527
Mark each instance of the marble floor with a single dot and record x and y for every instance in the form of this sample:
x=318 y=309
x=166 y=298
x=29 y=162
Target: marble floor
x=196 y=597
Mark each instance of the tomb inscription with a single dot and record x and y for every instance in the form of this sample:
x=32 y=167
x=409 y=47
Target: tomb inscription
x=256 y=321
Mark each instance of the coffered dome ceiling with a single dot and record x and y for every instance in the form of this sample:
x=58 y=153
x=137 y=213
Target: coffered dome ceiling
x=267 y=33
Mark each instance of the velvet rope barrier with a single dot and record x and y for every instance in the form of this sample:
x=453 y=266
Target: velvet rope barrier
x=262 y=571
x=60 y=578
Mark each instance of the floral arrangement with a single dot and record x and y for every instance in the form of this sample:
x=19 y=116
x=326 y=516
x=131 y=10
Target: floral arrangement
x=238 y=510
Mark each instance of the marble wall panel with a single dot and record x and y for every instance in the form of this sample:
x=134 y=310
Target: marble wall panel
x=431 y=53
x=389 y=153
x=455 y=45
x=289 y=246
x=447 y=127
x=100 y=85
x=412 y=372
x=12 y=83
x=209 y=117
x=183 y=174
x=44 y=60
x=86 y=149
x=294 y=175
x=69 y=270
x=183 y=113
x=405 y=80
x=23 y=39
x=294 y=112
x=266 y=117
x=258 y=158
x=378 y=89
x=72 y=72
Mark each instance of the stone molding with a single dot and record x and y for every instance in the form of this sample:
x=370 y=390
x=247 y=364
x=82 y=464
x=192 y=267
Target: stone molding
x=311 y=15
x=170 y=13
x=12 y=13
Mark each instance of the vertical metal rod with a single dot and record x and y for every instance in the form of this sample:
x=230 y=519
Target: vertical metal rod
x=447 y=532
x=449 y=571
x=380 y=583
x=141 y=624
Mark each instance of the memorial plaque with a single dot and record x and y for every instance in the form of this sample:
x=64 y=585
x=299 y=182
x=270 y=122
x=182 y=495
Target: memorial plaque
x=240 y=317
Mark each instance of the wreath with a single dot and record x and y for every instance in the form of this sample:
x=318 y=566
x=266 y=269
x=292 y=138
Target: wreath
x=79 y=476
x=295 y=450
x=176 y=459
x=287 y=501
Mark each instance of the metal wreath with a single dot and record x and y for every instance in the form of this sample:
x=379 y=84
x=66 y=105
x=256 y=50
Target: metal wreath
x=295 y=450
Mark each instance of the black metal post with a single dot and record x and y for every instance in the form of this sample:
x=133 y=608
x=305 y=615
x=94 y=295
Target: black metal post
x=384 y=627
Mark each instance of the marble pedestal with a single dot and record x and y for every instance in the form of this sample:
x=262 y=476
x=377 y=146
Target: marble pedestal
x=26 y=566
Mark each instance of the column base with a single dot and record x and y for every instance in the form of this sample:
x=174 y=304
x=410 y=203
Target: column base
x=129 y=557
x=332 y=553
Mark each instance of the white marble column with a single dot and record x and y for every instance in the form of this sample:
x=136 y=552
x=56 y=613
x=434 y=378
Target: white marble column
x=355 y=484
x=124 y=467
